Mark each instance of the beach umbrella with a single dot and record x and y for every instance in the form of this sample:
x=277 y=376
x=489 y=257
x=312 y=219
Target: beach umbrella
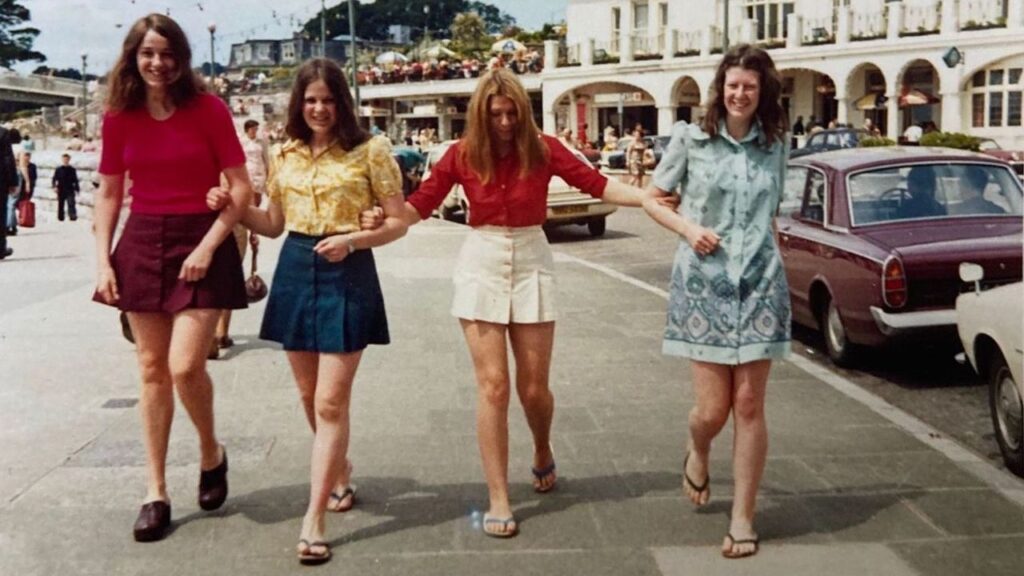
x=437 y=52
x=870 y=101
x=390 y=57
x=915 y=97
x=510 y=45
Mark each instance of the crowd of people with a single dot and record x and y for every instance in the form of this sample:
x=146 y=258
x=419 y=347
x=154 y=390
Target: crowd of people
x=520 y=62
x=177 y=264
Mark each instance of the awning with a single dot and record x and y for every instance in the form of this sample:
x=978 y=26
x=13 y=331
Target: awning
x=870 y=101
x=915 y=97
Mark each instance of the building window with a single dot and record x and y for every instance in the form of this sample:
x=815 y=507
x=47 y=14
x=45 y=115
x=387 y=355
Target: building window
x=640 y=16
x=771 y=18
x=996 y=98
x=978 y=110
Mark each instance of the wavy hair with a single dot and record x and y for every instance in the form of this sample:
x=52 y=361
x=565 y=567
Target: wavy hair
x=127 y=90
x=478 y=146
x=346 y=127
x=769 y=108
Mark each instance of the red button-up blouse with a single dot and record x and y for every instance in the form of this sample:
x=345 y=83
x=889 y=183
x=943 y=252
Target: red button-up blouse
x=506 y=200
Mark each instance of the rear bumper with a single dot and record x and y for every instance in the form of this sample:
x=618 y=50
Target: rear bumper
x=573 y=212
x=896 y=324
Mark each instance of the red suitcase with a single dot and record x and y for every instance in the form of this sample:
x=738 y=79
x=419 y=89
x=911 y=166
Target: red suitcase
x=26 y=214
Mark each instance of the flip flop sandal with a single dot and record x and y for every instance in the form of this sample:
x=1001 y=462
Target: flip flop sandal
x=504 y=523
x=756 y=541
x=700 y=490
x=309 y=558
x=349 y=492
x=541 y=473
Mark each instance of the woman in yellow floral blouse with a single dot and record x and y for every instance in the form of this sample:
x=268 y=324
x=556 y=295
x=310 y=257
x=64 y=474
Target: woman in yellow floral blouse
x=325 y=302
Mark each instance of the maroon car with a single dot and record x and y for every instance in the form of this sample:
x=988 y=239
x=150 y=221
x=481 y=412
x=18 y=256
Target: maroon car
x=872 y=238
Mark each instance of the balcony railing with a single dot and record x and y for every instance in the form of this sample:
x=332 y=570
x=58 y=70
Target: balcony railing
x=606 y=52
x=982 y=14
x=867 y=25
x=644 y=47
x=818 y=31
x=688 y=42
x=921 y=19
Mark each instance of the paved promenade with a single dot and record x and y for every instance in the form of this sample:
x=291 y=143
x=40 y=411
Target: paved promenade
x=846 y=492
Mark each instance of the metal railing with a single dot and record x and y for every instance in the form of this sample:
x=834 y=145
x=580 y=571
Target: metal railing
x=818 y=31
x=922 y=19
x=606 y=52
x=644 y=45
x=688 y=42
x=868 y=25
x=979 y=14
x=35 y=82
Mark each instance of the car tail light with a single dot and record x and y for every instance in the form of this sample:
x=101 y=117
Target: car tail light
x=894 y=283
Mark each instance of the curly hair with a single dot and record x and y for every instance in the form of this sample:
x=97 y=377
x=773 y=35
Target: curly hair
x=769 y=109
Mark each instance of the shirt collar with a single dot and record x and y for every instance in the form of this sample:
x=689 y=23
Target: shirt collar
x=753 y=134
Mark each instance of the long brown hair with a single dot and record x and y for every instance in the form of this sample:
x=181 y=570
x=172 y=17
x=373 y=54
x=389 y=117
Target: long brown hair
x=127 y=90
x=478 y=149
x=769 y=109
x=346 y=128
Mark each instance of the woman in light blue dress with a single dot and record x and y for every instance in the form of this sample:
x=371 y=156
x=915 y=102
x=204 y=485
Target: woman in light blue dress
x=729 y=304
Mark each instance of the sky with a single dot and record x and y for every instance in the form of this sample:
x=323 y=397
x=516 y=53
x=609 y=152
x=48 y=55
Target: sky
x=69 y=28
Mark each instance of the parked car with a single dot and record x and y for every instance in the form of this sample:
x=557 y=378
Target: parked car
x=989 y=324
x=832 y=139
x=1015 y=158
x=566 y=205
x=871 y=240
x=617 y=159
x=449 y=207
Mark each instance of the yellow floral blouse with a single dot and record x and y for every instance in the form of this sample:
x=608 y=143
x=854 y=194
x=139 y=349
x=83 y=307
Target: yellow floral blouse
x=324 y=195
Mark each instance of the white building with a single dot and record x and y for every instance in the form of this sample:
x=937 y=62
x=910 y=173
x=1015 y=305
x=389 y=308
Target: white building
x=652 y=61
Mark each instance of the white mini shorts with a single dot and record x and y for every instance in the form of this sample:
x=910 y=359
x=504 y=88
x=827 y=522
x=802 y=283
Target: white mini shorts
x=505 y=276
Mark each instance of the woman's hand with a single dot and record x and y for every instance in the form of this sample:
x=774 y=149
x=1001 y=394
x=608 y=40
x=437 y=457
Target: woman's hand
x=217 y=198
x=106 y=285
x=333 y=248
x=196 y=265
x=703 y=240
x=371 y=219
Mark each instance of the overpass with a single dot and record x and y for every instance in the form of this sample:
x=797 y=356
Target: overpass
x=39 y=90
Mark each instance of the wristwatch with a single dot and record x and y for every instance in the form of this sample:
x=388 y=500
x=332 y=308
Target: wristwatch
x=351 y=245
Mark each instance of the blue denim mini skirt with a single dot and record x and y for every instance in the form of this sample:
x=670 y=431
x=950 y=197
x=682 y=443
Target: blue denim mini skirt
x=320 y=306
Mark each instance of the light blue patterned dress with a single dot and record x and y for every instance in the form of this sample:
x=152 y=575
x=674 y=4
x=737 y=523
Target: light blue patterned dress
x=731 y=306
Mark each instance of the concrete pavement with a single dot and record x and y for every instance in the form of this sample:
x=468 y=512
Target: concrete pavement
x=845 y=492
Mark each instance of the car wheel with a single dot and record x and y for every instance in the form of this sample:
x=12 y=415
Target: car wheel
x=837 y=345
x=596 y=227
x=1007 y=414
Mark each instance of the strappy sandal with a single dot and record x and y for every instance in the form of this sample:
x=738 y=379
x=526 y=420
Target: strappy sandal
x=349 y=492
x=540 y=474
x=310 y=558
x=756 y=541
x=504 y=523
x=701 y=489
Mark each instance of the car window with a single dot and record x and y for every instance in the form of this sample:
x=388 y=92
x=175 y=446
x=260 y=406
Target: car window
x=793 y=193
x=833 y=140
x=933 y=191
x=813 y=209
x=816 y=140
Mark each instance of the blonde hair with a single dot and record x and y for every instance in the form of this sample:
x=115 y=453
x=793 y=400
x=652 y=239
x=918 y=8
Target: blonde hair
x=478 y=148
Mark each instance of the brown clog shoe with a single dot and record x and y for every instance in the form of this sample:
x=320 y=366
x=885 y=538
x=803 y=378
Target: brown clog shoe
x=213 y=485
x=153 y=521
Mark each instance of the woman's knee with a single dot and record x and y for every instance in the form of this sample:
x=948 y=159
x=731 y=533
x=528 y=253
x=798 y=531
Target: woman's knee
x=748 y=406
x=710 y=417
x=330 y=409
x=494 y=389
x=154 y=369
x=535 y=393
x=187 y=370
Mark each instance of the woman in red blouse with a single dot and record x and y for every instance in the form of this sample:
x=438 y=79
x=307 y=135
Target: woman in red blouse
x=504 y=284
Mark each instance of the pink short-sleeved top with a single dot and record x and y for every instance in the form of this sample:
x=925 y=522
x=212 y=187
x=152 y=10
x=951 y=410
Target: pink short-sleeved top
x=172 y=162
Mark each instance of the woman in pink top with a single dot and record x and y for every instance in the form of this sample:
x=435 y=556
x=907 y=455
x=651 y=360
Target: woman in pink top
x=504 y=278
x=174 y=266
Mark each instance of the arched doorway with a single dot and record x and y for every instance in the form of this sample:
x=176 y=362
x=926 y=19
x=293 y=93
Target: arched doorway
x=592 y=108
x=866 y=87
x=686 y=98
x=918 y=99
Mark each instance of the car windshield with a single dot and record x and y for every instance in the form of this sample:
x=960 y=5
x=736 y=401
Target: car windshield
x=951 y=190
x=988 y=144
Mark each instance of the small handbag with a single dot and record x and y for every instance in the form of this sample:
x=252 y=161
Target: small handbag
x=26 y=213
x=255 y=287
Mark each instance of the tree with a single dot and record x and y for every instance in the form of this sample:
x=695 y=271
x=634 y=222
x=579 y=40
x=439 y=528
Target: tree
x=469 y=33
x=70 y=73
x=495 y=19
x=373 y=20
x=15 y=37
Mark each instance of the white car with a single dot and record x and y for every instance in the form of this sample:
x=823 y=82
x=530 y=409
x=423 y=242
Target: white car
x=990 y=326
x=566 y=205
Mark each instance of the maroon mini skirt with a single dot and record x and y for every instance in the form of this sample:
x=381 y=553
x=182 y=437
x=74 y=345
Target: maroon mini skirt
x=148 y=259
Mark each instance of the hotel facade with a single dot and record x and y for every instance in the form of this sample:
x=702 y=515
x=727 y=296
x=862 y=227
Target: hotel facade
x=957 y=63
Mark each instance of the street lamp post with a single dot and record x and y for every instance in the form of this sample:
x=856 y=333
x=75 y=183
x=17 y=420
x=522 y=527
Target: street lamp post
x=323 y=30
x=353 y=56
x=725 y=28
x=85 y=98
x=213 y=60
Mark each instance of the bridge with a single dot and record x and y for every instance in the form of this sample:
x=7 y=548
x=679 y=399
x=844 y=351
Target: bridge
x=41 y=90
